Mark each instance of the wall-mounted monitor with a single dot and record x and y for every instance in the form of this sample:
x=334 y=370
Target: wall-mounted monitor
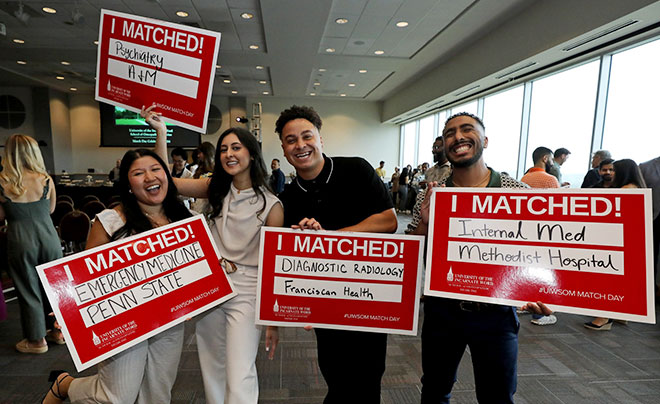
x=124 y=128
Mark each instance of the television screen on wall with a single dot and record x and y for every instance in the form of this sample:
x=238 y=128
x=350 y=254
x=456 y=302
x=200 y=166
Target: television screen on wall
x=123 y=128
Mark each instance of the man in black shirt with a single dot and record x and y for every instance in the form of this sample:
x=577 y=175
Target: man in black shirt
x=277 y=179
x=336 y=193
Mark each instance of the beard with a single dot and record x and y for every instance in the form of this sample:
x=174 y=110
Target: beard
x=548 y=167
x=478 y=151
x=607 y=177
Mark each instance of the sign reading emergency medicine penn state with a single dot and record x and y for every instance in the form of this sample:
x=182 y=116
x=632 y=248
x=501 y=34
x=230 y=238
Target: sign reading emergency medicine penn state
x=582 y=251
x=114 y=296
x=142 y=60
x=340 y=280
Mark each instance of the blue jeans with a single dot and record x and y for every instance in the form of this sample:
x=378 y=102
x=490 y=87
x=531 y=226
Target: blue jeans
x=491 y=332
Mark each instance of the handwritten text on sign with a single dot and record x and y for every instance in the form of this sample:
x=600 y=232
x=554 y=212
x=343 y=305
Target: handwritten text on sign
x=339 y=280
x=142 y=60
x=512 y=246
x=140 y=285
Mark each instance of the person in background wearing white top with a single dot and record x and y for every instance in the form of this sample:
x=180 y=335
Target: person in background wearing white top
x=227 y=336
x=144 y=373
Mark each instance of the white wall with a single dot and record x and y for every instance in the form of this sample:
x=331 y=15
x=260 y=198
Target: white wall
x=350 y=128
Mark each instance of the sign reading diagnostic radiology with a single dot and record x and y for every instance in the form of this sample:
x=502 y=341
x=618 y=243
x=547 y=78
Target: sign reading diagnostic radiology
x=582 y=251
x=341 y=280
x=141 y=60
x=114 y=296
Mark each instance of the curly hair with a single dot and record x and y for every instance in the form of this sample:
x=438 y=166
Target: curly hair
x=476 y=118
x=297 y=112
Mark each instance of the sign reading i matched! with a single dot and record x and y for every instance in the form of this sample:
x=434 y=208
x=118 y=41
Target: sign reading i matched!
x=141 y=60
x=114 y=296
x=341 y=280
x=582 y=251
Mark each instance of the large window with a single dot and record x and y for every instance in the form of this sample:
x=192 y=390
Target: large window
x=427 y=135
x=634 y=95
x=502 y=113
x=562 y=115
x=408 y=144
x=561 y=110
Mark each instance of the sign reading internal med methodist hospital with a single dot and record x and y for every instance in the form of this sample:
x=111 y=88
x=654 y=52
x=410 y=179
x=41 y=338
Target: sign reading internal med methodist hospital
x=114 y=296
x=581 y=251
x=142 y=60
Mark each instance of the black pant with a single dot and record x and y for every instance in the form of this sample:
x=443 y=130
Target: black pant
x=352 y=364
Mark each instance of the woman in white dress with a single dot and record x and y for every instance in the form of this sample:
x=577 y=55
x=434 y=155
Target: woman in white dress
x=241 y=203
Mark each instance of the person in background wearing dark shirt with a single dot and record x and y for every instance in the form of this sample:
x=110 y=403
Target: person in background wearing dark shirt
x=606 y=172
x=592 y=177
x=351 y=362
x=276 y=180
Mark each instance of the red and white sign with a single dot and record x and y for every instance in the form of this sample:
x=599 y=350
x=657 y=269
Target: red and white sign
x=114 y=296
x=142 y=60
x=340 y=280
x=582 y=251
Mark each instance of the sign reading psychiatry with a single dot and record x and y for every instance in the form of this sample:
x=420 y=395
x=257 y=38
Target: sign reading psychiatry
x=114 y=296
x=142 y=60
x=581 y=251
x=341 y=280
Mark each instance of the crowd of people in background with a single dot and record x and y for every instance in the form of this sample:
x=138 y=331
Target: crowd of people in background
x=227 y=179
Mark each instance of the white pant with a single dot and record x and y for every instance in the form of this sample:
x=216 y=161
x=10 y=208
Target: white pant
x=227 y=343
x=144 y=373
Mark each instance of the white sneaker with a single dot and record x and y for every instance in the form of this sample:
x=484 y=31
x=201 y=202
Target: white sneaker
x=545 y=320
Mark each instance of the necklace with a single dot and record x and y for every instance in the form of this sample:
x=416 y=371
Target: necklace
x=481 y=183
x=157 y=221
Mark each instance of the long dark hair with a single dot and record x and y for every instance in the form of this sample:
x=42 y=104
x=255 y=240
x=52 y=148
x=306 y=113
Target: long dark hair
x=626 y=171
x=136 y=220
x=221 y=180
x=206 y=164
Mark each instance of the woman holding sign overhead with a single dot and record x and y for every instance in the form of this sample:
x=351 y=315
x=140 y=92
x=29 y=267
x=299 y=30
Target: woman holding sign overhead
x=227 y=336
x=145 y=372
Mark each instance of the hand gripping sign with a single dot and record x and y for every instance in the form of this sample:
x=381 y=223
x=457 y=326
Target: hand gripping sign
x=114 y=296
x=340 y=280
x=141 y=60
x=581 y=251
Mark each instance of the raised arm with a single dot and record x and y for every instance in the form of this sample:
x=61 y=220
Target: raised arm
x=196 y=188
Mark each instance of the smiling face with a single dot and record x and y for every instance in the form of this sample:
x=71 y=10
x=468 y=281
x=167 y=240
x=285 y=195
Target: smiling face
x=303 y=147
x=234 y=156
x=464 y=141
x=178 y=162
x=148 y=181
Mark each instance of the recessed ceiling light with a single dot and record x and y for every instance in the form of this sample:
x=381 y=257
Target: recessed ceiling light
x=379 y=52
x=402 y=24
x=316 y=83
x=182 y=13
x=21 y=62
x=321 y=70
x=247 y=16
x=312 y=94
x=18 y=40
x=254 y=46
x=259 y=67
x=73 y=89
x=341 y=20
x=49 y=10
x=234 y=92
x=265 y=93
x=262 y=82
x=60 y=77
x=330 y=50
x=351 y=84
x=342 y=95
x=65 y=63
x=362 y=70
x=226 y=81
x=96 y=42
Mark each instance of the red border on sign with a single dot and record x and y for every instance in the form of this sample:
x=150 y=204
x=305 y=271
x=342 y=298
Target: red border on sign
x=596 y=261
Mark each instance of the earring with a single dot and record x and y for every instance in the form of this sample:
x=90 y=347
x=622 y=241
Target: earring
x=130 y=191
